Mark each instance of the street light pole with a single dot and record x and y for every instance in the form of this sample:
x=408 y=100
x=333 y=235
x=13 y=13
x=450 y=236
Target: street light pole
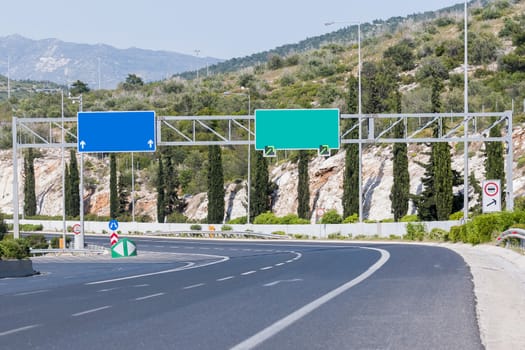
x=79 y=239
x=360 y=111
x=465 y=118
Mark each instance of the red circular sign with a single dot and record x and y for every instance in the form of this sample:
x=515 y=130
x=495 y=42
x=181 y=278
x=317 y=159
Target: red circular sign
x=76 y=229
x=491 y=189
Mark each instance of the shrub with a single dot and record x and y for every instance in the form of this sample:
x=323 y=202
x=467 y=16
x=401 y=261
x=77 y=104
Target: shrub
x=331 y=217
x=37 y=241
x=31 y=227
x=195 y=227
x=456 y=216
x=336 y=235
x=292 y=219
x=351 y=219
x=267 y=218
x=3 y=227
x=176 y=217
x=437 y=234
x=415 y=231
x=280 y=233
x=226 y=228
x=409 y=218
x=238 y=221
x=14 y=249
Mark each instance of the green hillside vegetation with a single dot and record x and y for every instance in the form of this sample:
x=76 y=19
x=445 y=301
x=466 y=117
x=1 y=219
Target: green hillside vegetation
x=401 y=54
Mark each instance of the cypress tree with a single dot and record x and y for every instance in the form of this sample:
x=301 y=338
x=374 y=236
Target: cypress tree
x=67 y=190
x=29 y=184
x=215 y=185
x=437 y=198
x=303 y=191
x=74 y=185
x=351 y=173
x=113 y=190
x=259 y=200
x=161 y=189
x=123 y=195
x=495 y=159
x=400 y=192
x=442 y=162
x=172 y=185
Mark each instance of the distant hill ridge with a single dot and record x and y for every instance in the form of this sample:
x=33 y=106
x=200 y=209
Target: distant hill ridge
x=63 y=62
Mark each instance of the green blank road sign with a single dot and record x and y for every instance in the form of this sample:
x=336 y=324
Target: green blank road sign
x=296 y=128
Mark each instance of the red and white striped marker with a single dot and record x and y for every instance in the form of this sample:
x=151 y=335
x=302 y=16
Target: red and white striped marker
x=113 y=238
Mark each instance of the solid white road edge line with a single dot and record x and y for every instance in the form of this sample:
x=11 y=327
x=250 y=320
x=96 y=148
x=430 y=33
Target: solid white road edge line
x=278 y=326
x=188 y=266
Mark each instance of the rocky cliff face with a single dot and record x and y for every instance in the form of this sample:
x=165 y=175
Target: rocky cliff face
x=326 y=183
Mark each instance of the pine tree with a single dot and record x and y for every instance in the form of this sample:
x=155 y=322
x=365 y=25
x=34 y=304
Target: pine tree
x=495 y=159
x=215 y=185
x=29 y=184
x=161 y=190
x=259 y=200
x=113 y=190
x=303 y=191
x=400 y=192
x=351 y=173
x=74 y=185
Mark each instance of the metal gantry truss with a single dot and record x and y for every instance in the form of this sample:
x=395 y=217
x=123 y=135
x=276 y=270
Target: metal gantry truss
x=364 y=129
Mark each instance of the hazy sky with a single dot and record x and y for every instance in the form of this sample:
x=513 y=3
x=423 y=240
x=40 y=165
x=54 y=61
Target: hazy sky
x=218 y=28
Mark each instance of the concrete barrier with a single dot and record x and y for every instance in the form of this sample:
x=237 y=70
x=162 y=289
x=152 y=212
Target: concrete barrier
x=16 y=268
x=314 y=230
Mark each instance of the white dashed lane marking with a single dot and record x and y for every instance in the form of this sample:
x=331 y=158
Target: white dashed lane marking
x=16 y=330
x=91 y=311
x=194 y=286
x=149 y=296
x=225 y=278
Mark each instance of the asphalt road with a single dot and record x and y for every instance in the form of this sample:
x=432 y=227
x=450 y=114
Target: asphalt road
x=197 y=294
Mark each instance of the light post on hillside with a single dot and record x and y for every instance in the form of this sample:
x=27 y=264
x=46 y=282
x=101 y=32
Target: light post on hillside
x=248 y=183
x=465 y=118
x=79 y=239
x=360 y=111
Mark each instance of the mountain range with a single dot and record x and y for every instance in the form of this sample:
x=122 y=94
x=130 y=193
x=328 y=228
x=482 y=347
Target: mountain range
x=97 y=65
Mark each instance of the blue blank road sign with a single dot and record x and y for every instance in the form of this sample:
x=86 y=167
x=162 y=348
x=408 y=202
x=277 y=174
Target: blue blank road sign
x=116 y=131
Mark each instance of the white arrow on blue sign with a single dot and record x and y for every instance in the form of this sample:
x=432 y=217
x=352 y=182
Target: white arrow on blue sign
x=130 y=131
x=113 y=225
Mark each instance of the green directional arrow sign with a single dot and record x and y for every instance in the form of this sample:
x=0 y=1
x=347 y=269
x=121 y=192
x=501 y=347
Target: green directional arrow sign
x=269 y=151
x=123 y=248
x=324 y=150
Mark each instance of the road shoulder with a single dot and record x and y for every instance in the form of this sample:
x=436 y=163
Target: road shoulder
x=499 y=286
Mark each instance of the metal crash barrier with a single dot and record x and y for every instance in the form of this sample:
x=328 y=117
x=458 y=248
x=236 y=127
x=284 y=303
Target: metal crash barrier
x=506 y=236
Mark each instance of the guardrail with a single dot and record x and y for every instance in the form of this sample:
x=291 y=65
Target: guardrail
x=517 y=233
x=89 y=250
x=220 y=234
